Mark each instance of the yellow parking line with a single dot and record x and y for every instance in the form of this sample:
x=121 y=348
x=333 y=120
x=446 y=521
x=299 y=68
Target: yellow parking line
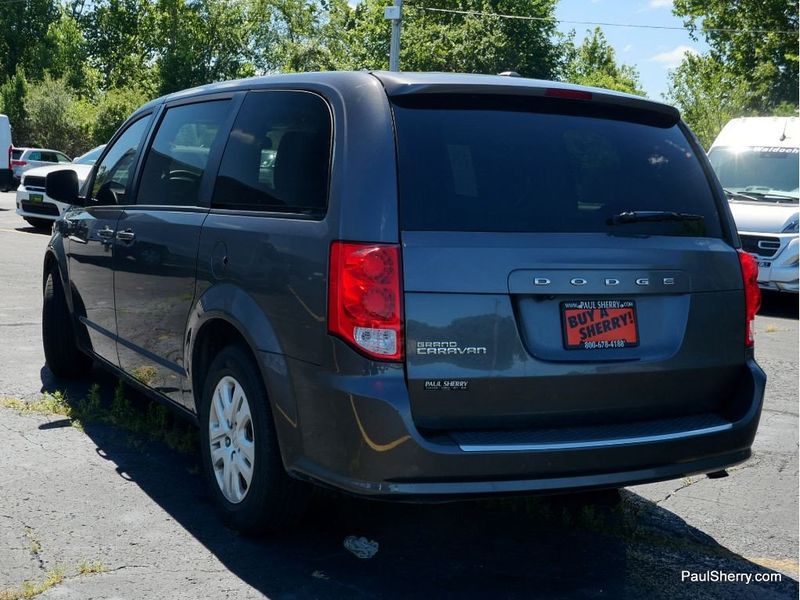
x=28 y=233
x=781 y=564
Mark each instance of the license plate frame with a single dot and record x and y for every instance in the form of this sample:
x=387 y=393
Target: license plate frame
x=599 y=324
x=36 y=198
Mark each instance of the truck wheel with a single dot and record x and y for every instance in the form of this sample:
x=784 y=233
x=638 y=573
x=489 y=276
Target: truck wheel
x=61 y=351
x=240 y=452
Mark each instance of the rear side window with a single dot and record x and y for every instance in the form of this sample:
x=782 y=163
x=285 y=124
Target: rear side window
x=474 y=168
x=278 y=155
x=178 y=156
x=35 y=156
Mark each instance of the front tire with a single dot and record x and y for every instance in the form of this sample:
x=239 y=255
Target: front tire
x=240 y=452
x=61 y=352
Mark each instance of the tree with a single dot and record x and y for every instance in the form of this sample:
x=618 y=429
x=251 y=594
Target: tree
x=57 y=118
x=472 y=43
x=23 y=26
x=767 y=61
x=113 y=108
x=67 y=55
x=708 y=95
x=594 y=63
x=13 y=103
x=120 y=37
x=203 y=41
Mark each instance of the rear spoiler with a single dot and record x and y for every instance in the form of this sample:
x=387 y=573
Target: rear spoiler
x=424 y=87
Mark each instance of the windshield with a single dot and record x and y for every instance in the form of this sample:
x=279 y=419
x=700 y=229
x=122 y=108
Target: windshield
x=90 y=157
x=485 y=167
x=757 y=171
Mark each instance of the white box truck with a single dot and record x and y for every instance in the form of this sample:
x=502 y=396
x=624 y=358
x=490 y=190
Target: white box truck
x=5 y=154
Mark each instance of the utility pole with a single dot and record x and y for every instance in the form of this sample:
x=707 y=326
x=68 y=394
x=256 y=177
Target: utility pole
x=395 y=15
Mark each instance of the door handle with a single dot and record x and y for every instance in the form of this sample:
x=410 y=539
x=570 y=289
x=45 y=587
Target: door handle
x=106 y=233
x=126 y=236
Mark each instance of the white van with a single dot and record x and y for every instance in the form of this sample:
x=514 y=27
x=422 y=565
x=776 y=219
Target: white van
x=5 y=154
x=757 y=160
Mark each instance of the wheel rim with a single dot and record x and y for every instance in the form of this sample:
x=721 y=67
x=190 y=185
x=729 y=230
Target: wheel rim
x=232 y=444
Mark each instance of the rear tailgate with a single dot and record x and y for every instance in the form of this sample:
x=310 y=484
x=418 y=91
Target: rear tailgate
x=524 y=303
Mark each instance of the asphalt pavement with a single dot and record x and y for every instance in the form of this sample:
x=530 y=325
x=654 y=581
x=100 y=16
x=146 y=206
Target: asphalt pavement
x=102 y=499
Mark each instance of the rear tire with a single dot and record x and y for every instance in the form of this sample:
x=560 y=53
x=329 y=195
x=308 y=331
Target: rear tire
x=240 y=452
x=61 y=352
x=39 y=223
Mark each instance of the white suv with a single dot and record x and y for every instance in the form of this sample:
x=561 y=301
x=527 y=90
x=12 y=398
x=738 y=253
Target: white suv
x=33 y=203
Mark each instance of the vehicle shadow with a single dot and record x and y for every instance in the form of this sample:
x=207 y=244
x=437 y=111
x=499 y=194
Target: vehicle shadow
x=582 y=546
x=777 y=304
x=37 y=230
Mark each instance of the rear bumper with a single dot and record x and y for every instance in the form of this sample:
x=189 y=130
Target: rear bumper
x=357 y=434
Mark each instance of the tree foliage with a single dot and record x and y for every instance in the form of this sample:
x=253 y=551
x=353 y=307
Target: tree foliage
x=736 y=33
x=594 y=63
x=707 y=94
x=745 y=72
x=471 y=43
x=57 y=118
x=13 y=102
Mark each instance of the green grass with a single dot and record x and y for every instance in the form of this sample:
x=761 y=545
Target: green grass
x=30 y=589
x=149 y=419
x=47 y=404
x=87 y=568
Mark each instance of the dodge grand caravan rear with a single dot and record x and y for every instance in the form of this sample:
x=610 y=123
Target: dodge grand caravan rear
x=413 y=286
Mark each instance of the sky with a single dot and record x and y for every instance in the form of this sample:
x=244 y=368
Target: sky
x=652 y=51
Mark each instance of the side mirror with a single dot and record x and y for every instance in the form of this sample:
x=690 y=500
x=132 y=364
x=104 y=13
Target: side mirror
x=63 y=186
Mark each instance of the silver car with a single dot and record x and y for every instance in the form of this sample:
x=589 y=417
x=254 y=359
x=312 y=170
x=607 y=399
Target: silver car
x=23 y=159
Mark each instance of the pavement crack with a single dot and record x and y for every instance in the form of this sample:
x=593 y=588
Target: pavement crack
x=34 y=545
x=686 y=483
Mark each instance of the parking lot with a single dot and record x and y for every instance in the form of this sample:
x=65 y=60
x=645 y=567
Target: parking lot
x=105 y=513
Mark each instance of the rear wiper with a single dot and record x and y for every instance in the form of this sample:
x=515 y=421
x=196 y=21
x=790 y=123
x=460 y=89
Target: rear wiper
x=643 y=216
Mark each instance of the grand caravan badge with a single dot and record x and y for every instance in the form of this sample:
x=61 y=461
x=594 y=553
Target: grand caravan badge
x=448 y=348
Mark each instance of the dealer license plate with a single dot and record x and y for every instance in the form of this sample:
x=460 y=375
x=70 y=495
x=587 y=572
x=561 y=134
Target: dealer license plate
x=599 y=324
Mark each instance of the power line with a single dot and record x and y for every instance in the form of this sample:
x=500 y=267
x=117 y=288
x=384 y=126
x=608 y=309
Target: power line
x=479 y=13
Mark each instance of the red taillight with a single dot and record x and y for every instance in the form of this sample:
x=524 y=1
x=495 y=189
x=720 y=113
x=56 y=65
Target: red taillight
x=571 y=94
x=365 y=305
x=19 y=163
x=752 y=294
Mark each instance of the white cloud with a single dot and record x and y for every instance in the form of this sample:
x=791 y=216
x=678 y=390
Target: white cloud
x=673 y=58
x=660 y=3
x=627 y=48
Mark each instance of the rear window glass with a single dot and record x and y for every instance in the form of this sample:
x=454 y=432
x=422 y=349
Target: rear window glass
x=15 y=154
x=469 y=167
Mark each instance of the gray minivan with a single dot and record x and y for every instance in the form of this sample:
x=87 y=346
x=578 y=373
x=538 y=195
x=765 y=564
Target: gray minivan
x=413 y=286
